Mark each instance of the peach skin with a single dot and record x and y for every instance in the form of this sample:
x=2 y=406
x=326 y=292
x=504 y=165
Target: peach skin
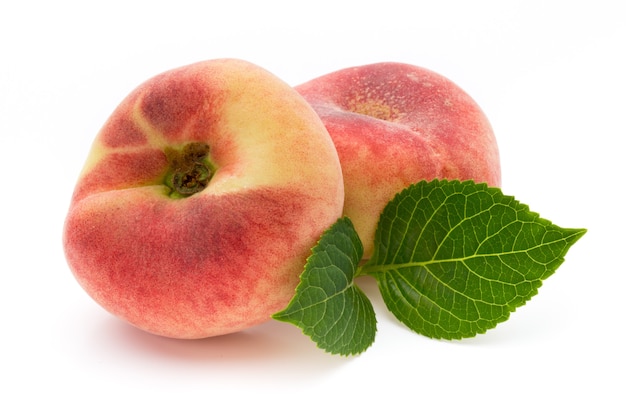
x=201 y=199
x=395 y=124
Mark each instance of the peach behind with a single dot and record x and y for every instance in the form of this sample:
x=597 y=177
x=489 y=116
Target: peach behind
x=396 y=124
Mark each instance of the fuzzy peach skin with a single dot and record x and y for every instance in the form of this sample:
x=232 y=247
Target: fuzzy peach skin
x=228 y=256
x=395 y=124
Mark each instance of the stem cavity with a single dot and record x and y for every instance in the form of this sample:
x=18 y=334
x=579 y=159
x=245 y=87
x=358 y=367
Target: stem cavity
x=189 y=169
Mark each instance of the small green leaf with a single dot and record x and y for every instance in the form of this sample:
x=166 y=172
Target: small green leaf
x=327 y=306
x=453 y=259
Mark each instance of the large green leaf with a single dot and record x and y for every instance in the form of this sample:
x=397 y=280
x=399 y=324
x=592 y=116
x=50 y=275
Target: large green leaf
x=453 y=259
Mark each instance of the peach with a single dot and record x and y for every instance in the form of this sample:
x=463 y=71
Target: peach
x=395 y=124
x=201 y=199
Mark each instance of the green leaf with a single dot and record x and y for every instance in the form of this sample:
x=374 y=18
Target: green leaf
x=327 y=306
x=453 y=259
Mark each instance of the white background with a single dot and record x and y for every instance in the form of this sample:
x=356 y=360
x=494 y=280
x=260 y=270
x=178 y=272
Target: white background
x=550 y=77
